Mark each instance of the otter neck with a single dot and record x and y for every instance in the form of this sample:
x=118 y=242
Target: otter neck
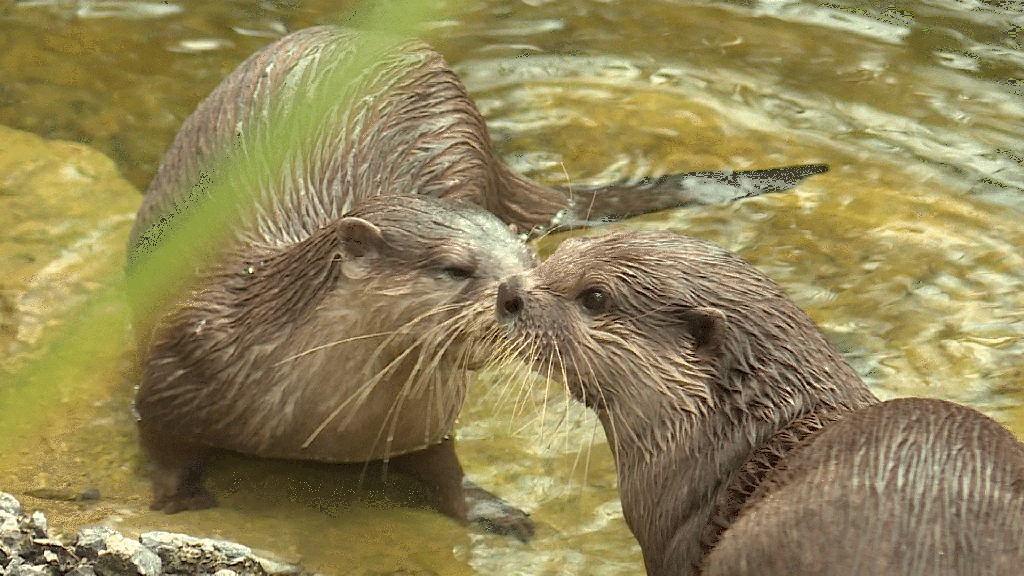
x=678 y=502
x=703 y=482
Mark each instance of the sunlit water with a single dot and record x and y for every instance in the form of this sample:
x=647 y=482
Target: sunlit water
x=908 y=253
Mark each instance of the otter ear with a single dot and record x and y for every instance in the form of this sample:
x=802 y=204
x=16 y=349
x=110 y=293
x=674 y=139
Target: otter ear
x=359 y=237
x=706 y=326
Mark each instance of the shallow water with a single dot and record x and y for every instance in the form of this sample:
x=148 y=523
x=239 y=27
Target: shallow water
x=908 y=253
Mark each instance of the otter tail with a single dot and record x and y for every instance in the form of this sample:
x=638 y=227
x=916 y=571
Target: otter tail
x=598 y=205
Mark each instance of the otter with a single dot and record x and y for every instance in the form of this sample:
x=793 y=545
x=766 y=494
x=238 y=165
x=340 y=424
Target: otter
x=744 y=443
x=351 y=346
x=291 y=297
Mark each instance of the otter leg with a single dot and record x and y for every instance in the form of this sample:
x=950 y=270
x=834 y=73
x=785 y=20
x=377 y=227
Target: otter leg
x=460 y=498
x=177 y=475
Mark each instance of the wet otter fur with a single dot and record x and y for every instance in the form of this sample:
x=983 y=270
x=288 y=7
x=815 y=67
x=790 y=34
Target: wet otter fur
x=744 y=443
x=351 y=346
x=329 y=316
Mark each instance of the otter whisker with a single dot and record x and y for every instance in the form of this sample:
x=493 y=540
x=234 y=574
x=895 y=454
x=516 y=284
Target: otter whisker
x=331 y=344
x=431 y=347
x=504 y=391
x=406 y=329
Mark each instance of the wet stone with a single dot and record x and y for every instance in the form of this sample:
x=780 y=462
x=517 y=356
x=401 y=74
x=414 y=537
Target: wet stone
x=183 y=554
x=9 y=505
x=91 y=541
x=19 y=567
x=90 y=495
x=124 y=557
x=275 y=567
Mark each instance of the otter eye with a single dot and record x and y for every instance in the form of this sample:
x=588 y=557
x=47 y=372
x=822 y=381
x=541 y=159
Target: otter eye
x=594 y=299
x=458 y=271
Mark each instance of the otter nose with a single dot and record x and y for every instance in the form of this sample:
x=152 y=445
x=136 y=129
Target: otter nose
x=510 y=300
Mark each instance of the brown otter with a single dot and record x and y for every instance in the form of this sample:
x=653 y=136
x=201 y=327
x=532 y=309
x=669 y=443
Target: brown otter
x=350 y=346
x=744 y=443
x=310 y=321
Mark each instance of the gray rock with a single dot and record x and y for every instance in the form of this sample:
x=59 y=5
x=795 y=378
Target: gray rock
x=14 y=540
x=9 y=505
x=183 y=554
x=124 y=557
x=26 y=549
x=91 y=541
x=276 y=567
x=19 y=567
x=37 y=524
x=52 y=553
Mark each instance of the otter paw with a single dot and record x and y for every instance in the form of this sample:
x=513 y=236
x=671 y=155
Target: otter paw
x=495 y=515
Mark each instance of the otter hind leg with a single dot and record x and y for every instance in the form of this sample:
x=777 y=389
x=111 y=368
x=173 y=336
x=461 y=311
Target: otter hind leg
x=178 y=466
x=458 y=497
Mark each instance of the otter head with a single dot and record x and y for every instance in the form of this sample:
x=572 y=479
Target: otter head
x=430 y=267
x=667 y=336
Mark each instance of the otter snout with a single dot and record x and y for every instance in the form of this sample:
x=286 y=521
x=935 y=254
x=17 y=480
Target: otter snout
x=510 y=298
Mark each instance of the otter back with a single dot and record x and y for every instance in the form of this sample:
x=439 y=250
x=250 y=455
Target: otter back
x=906 y=487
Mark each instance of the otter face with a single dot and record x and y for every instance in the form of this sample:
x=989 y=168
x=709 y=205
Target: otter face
x=620 y=323
x=433 y=265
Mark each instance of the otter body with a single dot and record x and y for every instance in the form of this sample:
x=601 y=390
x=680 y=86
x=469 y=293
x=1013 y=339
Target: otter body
x=744 y=443
x=911 y=486
x=357 y=225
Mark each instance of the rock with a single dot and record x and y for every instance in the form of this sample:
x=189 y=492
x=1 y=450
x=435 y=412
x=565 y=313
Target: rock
x=19 y=567
x=91 y=541
x=9 y=505
x=89 y=495
x=124 y=557
x=183 y=554
x=275 y=567
x=65 y=212
x=37 y=524
x=14 y=540
x=52 y=553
